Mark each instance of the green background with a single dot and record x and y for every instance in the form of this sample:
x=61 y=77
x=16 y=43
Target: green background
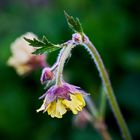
x=113 y=27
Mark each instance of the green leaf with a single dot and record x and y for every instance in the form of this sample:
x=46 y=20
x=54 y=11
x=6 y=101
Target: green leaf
x=35 y=42
x=45 y=40
x=45 y=50
x=42 y=46
x=74 y=24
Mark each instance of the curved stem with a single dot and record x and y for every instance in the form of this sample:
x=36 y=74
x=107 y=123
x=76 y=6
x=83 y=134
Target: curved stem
x=98 y=124
x=64 y=54
x=109 y=91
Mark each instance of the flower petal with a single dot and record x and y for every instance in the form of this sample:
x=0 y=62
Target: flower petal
x=56 y=109
x=60 y=107
x=42 y=107
x=76 y=103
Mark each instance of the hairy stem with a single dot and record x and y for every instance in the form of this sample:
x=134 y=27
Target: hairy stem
x=64 y=54
x=109 y=91
x=97 y=123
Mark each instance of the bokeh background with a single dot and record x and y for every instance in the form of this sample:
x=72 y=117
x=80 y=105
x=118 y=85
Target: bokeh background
x=112 y=25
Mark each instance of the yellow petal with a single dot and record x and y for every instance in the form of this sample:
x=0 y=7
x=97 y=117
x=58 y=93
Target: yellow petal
x=51 y=109
x=76 y=103
x=56 y=109
x=61 y=108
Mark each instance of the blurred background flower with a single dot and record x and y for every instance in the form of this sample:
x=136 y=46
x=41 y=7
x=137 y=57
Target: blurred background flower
x=112 y=25
x=22 y=59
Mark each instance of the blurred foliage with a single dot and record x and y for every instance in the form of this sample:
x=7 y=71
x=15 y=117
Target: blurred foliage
x=112 y=25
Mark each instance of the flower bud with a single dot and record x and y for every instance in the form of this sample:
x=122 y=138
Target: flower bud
x=47 y=74
x=77 y=38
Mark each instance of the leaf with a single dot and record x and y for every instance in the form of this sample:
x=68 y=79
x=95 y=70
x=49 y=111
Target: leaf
x=35 y=42
x=45 y=50
x=42 y=46
x=45 y=40
x=74 y=24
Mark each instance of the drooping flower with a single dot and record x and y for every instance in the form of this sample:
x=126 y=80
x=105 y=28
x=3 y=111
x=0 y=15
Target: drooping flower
x=22 y=58
x=59 y=99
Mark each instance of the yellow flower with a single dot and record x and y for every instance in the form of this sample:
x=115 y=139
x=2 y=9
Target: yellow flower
x=59 y=100
x=59 y=108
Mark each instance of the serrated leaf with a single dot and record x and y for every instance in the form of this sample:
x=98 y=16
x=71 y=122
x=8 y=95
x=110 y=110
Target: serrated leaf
x=39 y=43
x=74 y=24
x=45 y=50
x=35 y=42
x=46 y=41
x=42 y=46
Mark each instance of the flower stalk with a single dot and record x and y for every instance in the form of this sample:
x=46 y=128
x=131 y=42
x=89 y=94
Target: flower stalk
x=97 y=121
x=64 y=54
x=106 y=83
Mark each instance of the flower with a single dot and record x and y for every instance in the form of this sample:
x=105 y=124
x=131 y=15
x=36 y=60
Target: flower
x=47 y=74
x=59 y=99
x=22 y=58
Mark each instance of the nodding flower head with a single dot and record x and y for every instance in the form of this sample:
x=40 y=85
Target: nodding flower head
x=59 y=99
x=47 y=74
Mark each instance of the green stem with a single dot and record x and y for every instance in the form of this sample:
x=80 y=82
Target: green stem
x=99 y=124
x=64 y=54
x=102 y=104
x=109 y=91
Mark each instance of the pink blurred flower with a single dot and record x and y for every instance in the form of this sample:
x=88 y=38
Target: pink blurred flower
x=22 y=58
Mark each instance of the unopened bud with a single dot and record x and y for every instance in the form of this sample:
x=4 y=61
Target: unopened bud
x=47 y=74
x=77 y=38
